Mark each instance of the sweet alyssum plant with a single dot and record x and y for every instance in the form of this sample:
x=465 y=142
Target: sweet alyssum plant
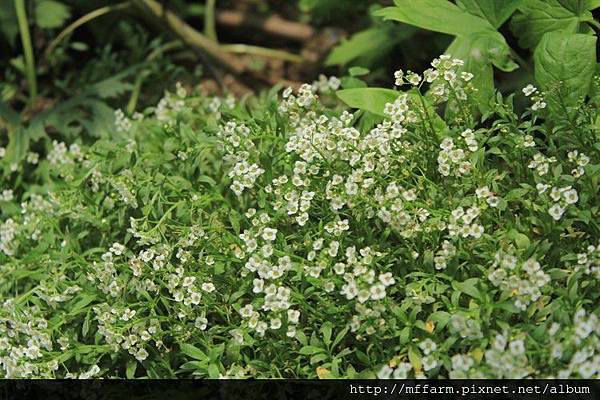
x=275 y=237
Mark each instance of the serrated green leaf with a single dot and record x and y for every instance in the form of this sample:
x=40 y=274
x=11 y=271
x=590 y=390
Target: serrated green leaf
x=568 y=60
x=538 y=17
x=495 y=11
x=435 y=15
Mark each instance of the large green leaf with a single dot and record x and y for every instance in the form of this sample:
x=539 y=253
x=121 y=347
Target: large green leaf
x=51 y=14
x=368 y=99
x=538 y=17
x=8 y=21
x=435 y=15
x=495 y=11
x=480 y=51
x=369 y=44
x=374 y=100
x=568 y=60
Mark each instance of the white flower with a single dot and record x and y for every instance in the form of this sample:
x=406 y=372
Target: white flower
x=428 y=346
x=529 y=90
x=377 y=292
x=556 y=211
x=385 y=372
x=269 y=234
x=117 y=249
x=141 y=355
x=208 y=287
x=570 y=196
x=517 y=347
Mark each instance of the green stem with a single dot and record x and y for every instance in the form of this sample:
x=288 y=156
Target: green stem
x=262 y=51
x=27 y=48
x=80 y=21
x=209 y=20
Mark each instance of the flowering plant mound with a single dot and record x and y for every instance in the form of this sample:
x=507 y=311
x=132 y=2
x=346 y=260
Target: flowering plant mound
x=281 y=236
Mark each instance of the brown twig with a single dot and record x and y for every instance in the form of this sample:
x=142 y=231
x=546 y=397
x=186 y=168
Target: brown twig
x=191 y=37
x=273 y=25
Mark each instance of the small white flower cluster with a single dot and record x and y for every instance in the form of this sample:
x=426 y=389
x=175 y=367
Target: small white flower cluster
x=7 y=195
x=239 y=147
x=8 y=234
x=465 y=326
x=431 y=358
x=24 y=338
x=461 y=223
x=508 y=360
x=60 y=154
x=326 y=85
x=362 y=282
x=259 y=244
x=304 y=100
x=32 y=157
x=445 y=78
x=562 y=197
x=400 y=371
x=589 y=261
x=444 y=255
x=484 y=193
x=541 y=163
x=244 y=176
x=121 y=330
x=536 y=97
x=462 y=367
x=170 y=105
x=453 y=159
x=122 y=123
x=580 y=160
x=581 y=339
x=522 y=280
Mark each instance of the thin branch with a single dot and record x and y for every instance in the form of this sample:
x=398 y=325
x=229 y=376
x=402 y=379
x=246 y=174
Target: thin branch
x=263 y=52
x=273 y=25
x=80 y=21
x=192 y=37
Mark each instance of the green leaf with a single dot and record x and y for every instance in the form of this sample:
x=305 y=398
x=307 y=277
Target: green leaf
x=308 y=350
x=566 y=58
x=51 y=14
x=213 y=371
x=368 y=99
x=8 y=21
x=326 y=330
x=359 y=44
x=358 y=71
x=84 y=300
x=415 y=358
x=8 y=115
x=479 y=52
x=18 y=144
x=130 y=370
x=193 y=351
x=373 y=100
x=520 y=239
x=495 y=11
x=538 y=17
x=435 y=15
x=468 y=287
